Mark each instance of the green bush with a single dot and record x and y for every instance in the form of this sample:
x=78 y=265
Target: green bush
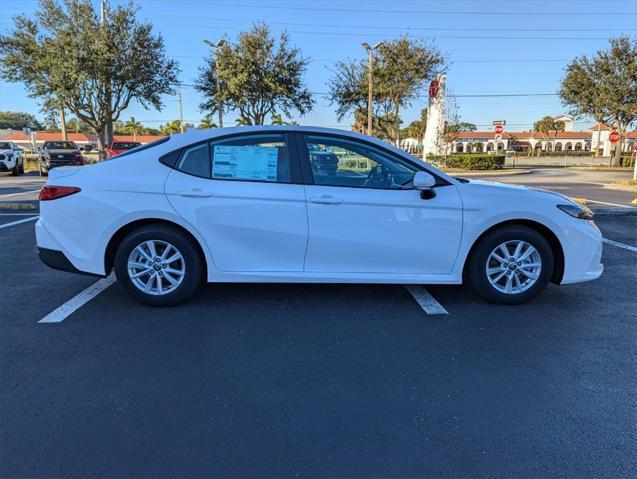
x=468 y=161
x=555 y=153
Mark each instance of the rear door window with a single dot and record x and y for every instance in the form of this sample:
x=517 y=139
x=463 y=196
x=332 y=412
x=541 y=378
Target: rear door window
x=263 y=158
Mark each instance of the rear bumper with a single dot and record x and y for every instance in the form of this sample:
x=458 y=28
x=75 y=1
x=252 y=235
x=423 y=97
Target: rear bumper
x=57 y=260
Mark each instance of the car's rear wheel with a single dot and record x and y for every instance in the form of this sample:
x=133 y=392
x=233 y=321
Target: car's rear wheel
x=15 y=171
x=22 y=167
x=158 y=265
x=511 y=265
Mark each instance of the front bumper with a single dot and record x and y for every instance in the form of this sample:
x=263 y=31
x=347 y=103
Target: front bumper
x=582 y=252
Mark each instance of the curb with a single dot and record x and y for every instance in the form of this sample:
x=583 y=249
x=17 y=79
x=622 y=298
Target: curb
x=615 y=211
x=505 y=172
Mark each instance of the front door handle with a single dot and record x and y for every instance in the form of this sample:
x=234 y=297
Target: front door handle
x=326 y=200
x=195 y=193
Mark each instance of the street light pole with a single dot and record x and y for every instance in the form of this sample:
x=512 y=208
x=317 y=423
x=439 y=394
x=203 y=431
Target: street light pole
x=216 y=47
x=370 y=51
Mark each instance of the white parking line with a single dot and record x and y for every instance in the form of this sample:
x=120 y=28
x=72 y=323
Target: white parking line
x=425 y=300
x=13 y=223
x=18 y=214
x=607 y=204
x=620 y=245
x=60 y=314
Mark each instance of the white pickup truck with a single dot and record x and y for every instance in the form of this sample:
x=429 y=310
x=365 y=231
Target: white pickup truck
x=11 y=158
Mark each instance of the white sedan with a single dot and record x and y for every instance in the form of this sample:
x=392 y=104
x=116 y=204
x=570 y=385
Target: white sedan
x=253 y=204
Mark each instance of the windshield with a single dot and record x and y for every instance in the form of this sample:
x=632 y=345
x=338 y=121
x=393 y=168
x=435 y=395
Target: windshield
x=4 y=145
x=60 y=145
x=125 y=145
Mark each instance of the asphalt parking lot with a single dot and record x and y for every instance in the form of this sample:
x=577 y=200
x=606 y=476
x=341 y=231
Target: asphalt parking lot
x=317 y=380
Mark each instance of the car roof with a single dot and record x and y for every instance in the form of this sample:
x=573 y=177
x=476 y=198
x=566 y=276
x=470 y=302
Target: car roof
x=180 y=140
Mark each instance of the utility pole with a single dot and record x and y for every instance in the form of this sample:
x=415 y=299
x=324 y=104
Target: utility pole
x=181 y=112
x=370 y=50
x=216 y=47
x=108 y=94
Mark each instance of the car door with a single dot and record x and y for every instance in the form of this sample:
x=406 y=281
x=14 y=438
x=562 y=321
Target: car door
x=365 y=217
x=241 y=196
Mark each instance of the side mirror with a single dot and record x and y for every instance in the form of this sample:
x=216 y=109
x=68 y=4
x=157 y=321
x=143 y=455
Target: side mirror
x=425 y=182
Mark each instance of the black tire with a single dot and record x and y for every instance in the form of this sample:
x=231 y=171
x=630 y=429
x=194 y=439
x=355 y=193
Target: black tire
x=477 y=273
x=22 y=167
x=15 y=171
x=194 y=264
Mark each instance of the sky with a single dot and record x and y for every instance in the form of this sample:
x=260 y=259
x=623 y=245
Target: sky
x=494 y=48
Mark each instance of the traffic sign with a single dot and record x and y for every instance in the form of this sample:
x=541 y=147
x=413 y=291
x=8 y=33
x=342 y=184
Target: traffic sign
x=499 y=122
x=614 y=137
x=498 y=138
x=499 y=129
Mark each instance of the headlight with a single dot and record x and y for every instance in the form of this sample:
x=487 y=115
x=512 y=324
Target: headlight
x=577 y=211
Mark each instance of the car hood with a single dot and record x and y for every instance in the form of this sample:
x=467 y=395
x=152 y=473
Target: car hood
x=521 y=189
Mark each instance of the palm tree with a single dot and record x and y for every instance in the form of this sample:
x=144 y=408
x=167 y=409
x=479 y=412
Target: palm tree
x=546 y=126
x=206 y=123
x=171 y=127
x=132 y=127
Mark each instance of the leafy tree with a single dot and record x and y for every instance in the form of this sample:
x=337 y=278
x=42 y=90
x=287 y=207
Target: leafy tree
x=77 y=125
x=416 y=129
x=548 y=126
x=133 y=127
x=465 y=126
x=258 y=77
x=399 y=72
x=206 y=123
x=604 y=87
x=16 y=120
x=174 y=127
x=69 y=58
x=277 y=119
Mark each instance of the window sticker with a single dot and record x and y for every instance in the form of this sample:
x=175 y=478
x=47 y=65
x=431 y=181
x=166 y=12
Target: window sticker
x=245 y=162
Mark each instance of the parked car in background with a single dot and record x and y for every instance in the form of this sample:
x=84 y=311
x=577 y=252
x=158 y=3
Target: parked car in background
x=11 y=158
x=248 y=204
x=119 y=147
x=324 y=161
x=58 y=153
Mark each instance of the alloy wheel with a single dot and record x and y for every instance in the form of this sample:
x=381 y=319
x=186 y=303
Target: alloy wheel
x=513 y=267
x=156 y=267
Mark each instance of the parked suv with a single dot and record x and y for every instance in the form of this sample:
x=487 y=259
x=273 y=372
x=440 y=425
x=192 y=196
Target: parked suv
x=11 y=158
x=59 y=153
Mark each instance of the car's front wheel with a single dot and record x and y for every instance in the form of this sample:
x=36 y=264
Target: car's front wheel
x=511 y=265
x=158 y=265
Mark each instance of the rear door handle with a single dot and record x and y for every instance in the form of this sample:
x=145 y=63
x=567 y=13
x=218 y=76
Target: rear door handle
x=195 y=193
x=326 y=200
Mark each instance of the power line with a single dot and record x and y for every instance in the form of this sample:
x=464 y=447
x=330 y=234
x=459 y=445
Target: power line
x=413 y=12
x=407 y=28
x=368 y=34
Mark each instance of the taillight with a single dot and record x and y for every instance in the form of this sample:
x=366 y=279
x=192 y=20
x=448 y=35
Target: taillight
x=54 y=192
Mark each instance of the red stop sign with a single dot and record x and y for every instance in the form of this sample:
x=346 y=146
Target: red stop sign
x=614 y=137
x=499 y=129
